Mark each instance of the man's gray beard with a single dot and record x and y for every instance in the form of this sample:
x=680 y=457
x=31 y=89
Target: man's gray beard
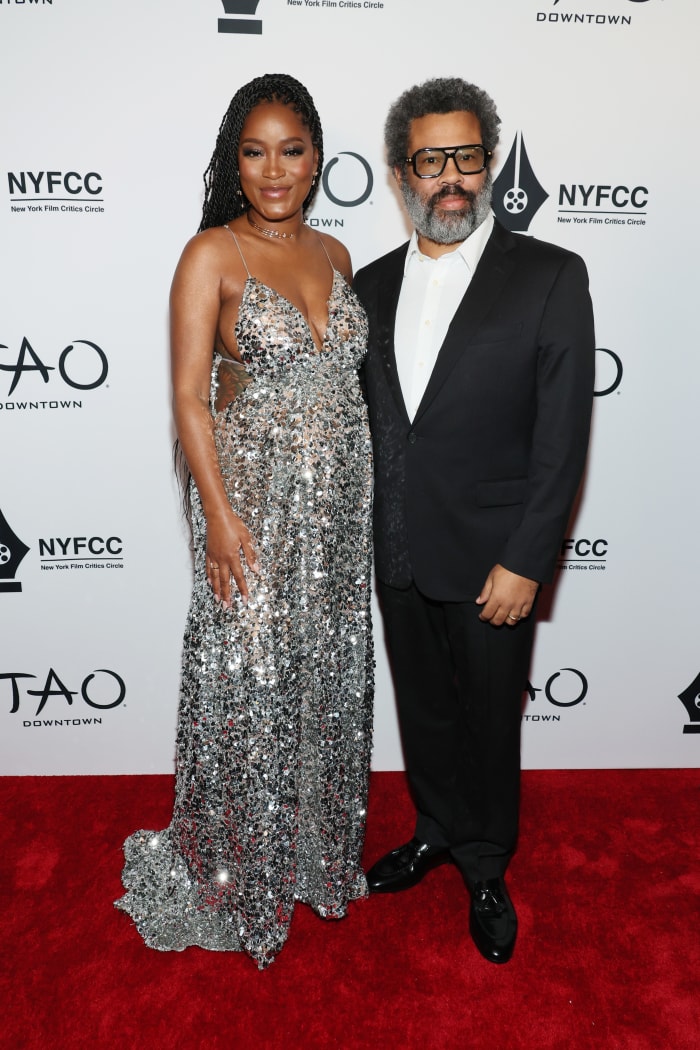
x=450 y=227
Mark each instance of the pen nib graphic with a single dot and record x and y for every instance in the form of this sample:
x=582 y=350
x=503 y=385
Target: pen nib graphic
x=12 y=550
x=517 y=195
x=248 y=25
x=690 y=698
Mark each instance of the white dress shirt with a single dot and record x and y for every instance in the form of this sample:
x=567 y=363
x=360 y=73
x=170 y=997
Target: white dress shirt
x=431 y=291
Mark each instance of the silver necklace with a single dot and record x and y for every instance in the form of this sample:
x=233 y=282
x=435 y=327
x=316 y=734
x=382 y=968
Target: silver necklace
x=270 y=233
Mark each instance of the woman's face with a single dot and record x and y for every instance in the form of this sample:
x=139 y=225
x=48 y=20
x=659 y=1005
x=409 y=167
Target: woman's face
x=276 y=160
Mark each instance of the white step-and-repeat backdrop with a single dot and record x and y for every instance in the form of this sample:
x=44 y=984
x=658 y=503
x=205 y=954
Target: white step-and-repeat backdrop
x=108 y=120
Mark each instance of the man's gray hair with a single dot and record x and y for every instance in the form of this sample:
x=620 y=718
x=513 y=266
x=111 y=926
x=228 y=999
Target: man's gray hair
x=441 y=95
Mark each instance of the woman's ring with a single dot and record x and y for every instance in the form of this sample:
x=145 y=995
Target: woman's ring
x=214 y=568
x=511 y=617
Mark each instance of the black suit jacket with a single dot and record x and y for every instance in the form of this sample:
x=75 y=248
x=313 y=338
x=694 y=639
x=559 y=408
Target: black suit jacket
x=488 y=470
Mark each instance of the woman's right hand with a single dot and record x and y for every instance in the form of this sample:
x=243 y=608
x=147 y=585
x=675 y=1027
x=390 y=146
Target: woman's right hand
x=195 y=308
x=227 y=536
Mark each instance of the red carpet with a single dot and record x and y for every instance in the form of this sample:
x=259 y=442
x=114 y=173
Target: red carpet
x=606 y=883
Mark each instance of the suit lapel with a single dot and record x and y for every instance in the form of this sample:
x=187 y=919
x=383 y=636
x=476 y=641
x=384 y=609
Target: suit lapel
x=387 y=299
x=493 y=271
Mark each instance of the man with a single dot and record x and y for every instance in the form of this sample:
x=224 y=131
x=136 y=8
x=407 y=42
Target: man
x=479 y=379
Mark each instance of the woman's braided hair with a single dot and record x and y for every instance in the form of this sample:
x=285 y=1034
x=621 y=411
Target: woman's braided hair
x=222 y=197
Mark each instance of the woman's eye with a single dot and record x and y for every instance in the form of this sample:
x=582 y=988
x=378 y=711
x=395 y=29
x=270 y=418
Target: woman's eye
x=294 y=151
x=250 y=152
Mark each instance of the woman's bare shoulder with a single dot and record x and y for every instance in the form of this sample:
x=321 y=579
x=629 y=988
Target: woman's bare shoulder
x=206 y=245
x=210 y=254
x=338 y=254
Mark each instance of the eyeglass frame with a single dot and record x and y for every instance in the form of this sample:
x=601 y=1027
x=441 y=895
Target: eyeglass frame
x=450 y=154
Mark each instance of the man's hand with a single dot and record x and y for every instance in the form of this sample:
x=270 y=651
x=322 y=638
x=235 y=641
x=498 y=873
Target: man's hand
x=506 y=597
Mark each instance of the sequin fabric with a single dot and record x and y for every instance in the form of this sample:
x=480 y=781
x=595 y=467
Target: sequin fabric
x=274 y=726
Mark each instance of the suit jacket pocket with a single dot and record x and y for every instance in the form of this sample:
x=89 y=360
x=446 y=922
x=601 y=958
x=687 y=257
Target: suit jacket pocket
x=502 y=493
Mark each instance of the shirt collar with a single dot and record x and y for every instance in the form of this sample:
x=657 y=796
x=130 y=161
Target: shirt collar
x=469 y=251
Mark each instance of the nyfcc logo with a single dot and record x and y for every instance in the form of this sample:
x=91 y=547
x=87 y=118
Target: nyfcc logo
x=55 y=192
x=66 y=553
x=57 y=554
x=518 y=195
x=582 y=554
x=603 y=204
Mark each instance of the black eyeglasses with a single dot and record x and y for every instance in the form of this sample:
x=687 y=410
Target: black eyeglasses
x=431 y=162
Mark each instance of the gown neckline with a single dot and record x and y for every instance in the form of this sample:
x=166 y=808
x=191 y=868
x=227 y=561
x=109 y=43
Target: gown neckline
x=319 y=349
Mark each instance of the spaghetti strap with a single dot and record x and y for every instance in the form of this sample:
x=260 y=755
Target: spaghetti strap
x=239 y=249
x=245 y=264
x=326 y=252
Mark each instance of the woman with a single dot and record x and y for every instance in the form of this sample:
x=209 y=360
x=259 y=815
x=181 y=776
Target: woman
x=274 y=725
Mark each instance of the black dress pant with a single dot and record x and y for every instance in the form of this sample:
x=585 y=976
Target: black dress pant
x=459 y=685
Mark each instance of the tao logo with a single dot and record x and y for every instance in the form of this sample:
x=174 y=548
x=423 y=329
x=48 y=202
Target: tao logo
x=103 y=694
x=343 y=202
x=610 y=369
x=562 y=692
x=82 y=364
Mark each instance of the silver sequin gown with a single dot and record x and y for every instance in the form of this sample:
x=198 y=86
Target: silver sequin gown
x=274 y=727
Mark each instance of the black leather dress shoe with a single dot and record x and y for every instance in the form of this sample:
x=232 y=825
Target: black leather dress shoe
x=493 y=923
x=405 y=867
